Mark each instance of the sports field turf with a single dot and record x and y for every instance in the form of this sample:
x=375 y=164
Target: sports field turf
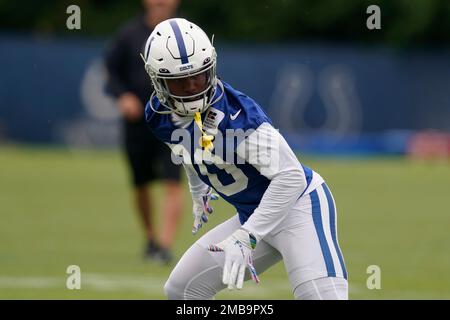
x=60 y=207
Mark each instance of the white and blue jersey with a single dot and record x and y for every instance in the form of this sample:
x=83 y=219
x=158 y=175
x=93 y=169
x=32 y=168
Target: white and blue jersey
x=233 y=148
x=242 y=185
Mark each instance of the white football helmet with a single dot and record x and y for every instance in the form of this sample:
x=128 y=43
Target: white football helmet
x=177 y=49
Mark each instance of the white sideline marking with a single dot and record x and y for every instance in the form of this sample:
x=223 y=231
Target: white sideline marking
x=154 y=285
x=90 y=281
x=105 y=282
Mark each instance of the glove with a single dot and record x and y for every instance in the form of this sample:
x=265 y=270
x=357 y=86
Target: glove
x=201 y=208
x=238 y=250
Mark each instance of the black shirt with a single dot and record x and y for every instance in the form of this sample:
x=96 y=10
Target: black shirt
x=125 y=67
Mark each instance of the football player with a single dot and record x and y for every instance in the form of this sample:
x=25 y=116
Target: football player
x=227 y=143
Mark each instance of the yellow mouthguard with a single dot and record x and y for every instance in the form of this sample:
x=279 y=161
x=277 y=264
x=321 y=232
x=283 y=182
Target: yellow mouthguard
x=205 y=140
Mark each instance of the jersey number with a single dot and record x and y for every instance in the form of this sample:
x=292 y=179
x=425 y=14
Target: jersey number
x=225 y=170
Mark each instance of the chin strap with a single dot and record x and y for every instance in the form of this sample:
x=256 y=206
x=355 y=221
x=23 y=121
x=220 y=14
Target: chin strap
x=205 y=140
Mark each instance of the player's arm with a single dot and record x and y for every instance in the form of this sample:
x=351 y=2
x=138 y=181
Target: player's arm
x=201 y=194
x=269 y=153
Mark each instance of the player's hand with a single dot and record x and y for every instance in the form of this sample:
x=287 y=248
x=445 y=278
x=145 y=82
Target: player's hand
x=131 y=107
x=238 y=250
x=201 y=209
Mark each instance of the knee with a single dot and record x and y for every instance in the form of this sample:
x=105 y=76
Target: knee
x=192 y=291
x=329 y=288
x=188 y=288
x=172 y=291
x=196 y=276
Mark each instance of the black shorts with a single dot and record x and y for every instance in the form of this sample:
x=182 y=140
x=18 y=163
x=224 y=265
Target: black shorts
x=149 y=158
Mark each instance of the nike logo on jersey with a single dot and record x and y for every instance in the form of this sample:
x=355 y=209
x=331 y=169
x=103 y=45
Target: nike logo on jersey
x=233 y=117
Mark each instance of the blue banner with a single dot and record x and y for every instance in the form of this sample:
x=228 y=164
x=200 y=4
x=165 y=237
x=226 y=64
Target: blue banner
x=323 y=97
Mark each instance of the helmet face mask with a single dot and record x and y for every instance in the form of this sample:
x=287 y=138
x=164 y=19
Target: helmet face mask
x=176 y=50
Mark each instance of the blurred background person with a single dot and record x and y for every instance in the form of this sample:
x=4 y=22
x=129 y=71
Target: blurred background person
x=148 y=158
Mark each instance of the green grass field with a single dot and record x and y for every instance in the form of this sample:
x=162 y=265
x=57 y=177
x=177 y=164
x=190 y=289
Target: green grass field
x=60 y=207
